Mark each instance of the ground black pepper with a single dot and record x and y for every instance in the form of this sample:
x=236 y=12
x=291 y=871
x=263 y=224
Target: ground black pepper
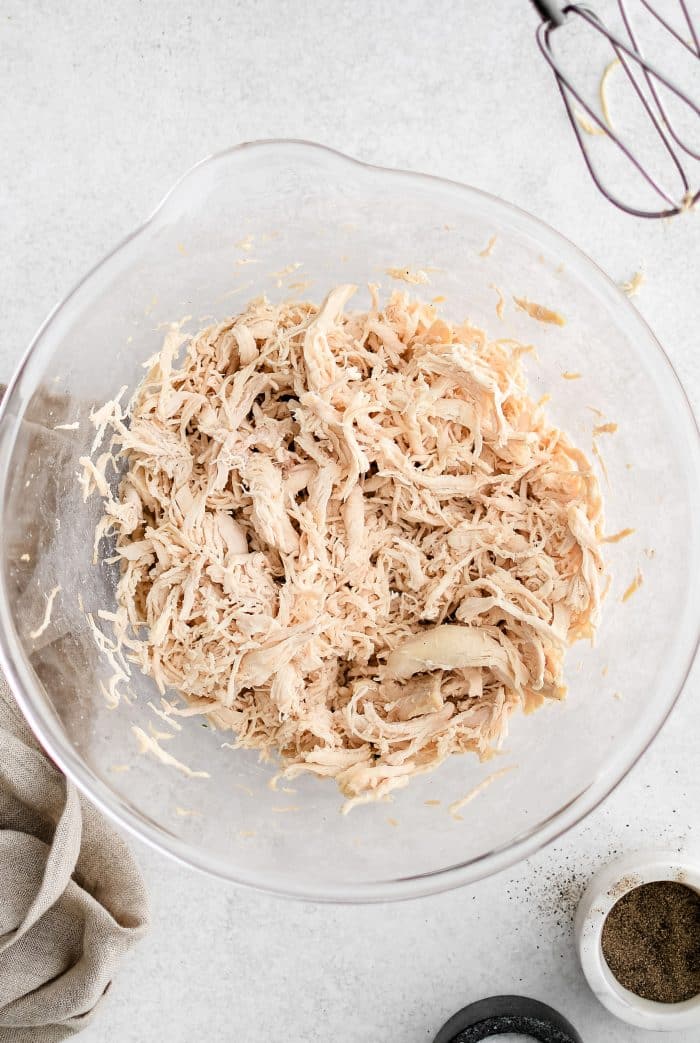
x=651 y=941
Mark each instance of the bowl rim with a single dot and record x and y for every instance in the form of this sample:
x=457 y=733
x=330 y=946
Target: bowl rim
x=109 y=802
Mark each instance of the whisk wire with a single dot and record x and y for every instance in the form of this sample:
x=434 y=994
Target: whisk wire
x=630 y=57
x=693 y=49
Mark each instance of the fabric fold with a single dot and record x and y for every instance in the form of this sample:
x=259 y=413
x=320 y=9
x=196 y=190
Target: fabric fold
x=73 y=898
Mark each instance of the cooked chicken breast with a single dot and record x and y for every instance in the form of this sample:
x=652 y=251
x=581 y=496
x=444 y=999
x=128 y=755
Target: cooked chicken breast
x=352 y=538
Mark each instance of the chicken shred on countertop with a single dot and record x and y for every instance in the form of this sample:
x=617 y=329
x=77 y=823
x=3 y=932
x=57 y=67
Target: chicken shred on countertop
x=349 y=537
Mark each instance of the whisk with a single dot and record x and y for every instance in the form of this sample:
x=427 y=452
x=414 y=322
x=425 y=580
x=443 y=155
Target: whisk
x=646 y=79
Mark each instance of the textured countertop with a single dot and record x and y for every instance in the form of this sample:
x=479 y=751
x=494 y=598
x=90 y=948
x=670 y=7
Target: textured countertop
x=104 y=105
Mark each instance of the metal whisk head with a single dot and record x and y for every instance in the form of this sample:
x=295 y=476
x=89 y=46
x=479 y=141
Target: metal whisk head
x=650 y=85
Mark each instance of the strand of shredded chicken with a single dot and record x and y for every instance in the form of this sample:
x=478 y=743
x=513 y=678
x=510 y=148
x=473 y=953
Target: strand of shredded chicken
x=352 y=538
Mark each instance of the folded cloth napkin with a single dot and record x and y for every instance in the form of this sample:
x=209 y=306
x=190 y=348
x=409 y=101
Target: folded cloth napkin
x=72 y=899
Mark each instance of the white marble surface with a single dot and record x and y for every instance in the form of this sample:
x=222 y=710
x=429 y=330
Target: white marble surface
x=104 y=105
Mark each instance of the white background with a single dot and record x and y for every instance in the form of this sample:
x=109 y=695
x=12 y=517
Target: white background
x=103 y=106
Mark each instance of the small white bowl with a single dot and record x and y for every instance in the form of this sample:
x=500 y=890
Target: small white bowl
x=606 y=888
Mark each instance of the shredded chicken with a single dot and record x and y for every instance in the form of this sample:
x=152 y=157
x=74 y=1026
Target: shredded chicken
x=351 y=538
x=634 y=585
x=633 y=285
x=500 y=304
x=587 y=125
x=603 y=90
x=605 y=429
x=539 y=312
x=406 y=275
x=615 y=537
x=595 y=449
x=44 y=625
x=457 y=805
x=149 y=744
x=489 y=248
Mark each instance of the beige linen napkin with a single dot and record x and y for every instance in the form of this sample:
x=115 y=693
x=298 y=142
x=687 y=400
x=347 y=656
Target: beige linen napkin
x=72 y=899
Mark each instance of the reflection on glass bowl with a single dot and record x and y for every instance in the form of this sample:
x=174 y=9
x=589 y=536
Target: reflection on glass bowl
x=291 y=203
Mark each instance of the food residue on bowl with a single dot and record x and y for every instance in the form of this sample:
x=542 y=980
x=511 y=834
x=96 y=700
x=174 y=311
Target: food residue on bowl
x=457 y=805
x=406 y=275
x=634 y=585
x=149 y=744
x=616 y=537
x=489 y=248
x=500 y=303
x=539 y=312
x=44 y=625
x=633 y=285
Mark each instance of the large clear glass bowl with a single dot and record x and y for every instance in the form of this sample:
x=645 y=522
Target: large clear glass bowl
x=274 y=205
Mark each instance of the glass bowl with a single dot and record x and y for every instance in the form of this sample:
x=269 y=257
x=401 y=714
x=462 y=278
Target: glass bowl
x=236 y=226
